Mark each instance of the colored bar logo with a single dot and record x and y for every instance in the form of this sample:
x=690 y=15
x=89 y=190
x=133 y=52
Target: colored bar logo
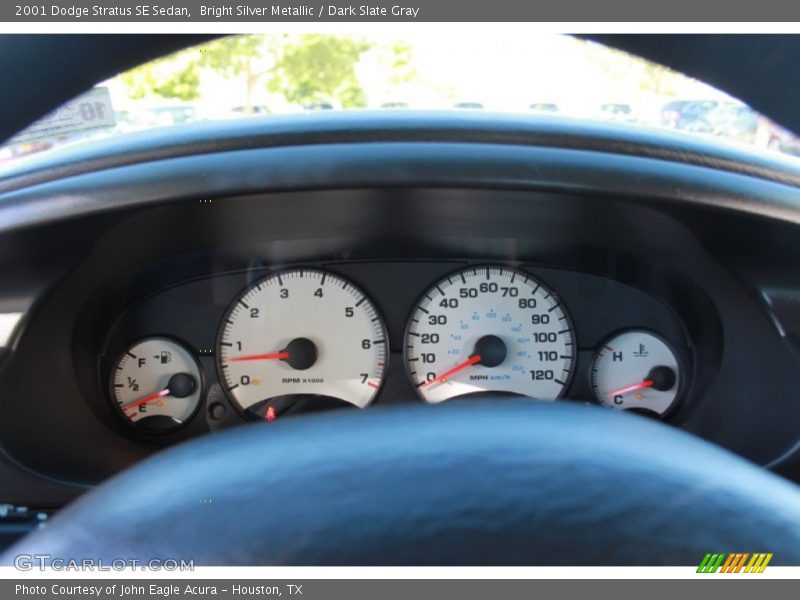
x=735 y=562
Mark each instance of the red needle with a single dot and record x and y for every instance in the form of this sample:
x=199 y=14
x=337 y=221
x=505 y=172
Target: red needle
x=146 y=399
x=646 y=383
x=272 y=356
x=475 y=358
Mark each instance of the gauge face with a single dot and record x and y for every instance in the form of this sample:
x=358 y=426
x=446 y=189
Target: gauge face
x=636 y=370
x=157 y=385
x=301 y=333
x=489 y=329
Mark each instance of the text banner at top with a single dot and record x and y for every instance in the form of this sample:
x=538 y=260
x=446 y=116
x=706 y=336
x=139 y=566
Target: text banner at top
x=734 y=11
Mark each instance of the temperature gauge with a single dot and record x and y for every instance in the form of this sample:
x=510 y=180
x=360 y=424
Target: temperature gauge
x=637 y=370
x=156 y=385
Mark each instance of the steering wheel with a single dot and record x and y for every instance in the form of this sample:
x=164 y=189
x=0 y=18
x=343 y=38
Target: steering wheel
x=502 y=482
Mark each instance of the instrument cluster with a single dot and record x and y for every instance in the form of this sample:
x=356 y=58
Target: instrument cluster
x=308 y=338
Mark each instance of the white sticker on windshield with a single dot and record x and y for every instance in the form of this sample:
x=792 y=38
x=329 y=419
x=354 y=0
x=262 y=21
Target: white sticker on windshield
x=88 y=111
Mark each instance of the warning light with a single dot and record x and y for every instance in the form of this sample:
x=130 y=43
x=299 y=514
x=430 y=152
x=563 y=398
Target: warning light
x=270 y=415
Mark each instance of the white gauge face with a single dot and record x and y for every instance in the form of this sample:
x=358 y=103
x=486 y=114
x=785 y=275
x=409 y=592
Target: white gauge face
x=301 y=332
x=489 y=329
x=156 y=384
x=636 y=370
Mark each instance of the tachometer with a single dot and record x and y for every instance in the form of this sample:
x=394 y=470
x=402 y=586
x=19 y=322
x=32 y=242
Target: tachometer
x=489 y=329
x=300 y=333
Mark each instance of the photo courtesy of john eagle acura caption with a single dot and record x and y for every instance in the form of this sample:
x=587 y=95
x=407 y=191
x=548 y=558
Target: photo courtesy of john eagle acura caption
x=157 y=590
x=399 y=297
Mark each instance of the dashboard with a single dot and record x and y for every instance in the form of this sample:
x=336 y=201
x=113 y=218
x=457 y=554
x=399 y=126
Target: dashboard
x=306 y=338
x=184 y=296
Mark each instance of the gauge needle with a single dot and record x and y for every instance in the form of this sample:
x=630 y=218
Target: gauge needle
x=300 y=353
x=270 y=356
x=146 y=399
x=645 y=383
x=475 y=358
x=179 y=385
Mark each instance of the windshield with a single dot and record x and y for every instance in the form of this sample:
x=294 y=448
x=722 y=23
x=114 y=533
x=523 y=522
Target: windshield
x=256 y=76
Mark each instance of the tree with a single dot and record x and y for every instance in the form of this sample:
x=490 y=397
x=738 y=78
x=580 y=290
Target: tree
x=402 y=63
x=178 y=76
x=172 y=77
x=237 y=56
x=318 y=68
x=303 y=69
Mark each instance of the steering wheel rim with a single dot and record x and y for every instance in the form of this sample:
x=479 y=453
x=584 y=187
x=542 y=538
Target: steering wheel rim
x=489 y=482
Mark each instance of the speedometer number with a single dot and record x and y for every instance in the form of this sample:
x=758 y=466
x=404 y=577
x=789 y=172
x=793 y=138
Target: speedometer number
x=489 y=329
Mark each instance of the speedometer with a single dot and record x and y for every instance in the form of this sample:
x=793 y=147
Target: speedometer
x=297 y=336
x=489 y=329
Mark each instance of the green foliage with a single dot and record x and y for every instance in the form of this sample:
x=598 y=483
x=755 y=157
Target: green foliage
x=232 y=56
x=304 y=69
x=178 y=76
x=318 y=68
x=236 y=56
x=173 y=77
x=402 y=63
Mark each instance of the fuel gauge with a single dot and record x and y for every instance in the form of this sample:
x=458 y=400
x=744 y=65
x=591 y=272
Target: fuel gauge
x=637 y=370
x=156 y=384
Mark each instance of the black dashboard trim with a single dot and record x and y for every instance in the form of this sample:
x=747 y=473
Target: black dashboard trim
x=369 y=127
x=394 y=164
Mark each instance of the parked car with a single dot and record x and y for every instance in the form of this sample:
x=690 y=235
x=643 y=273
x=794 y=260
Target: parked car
x=688 y=115
x=162 y=116
x=616 y=111
x=733 y=121
x=258 y=109
x=324 y=105
x=544 y=107
x=783 y=140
